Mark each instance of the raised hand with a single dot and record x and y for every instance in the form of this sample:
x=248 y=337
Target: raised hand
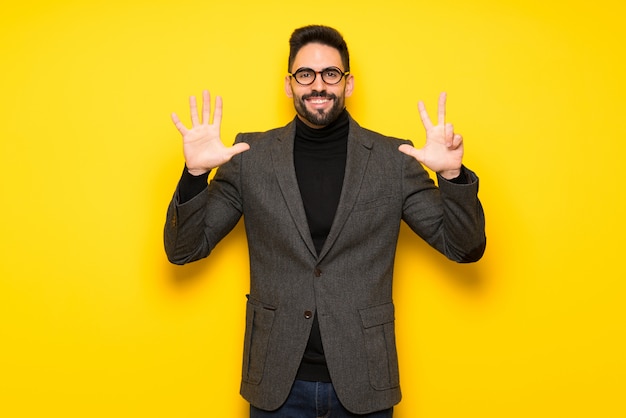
x=202 y=146
x=443 y=150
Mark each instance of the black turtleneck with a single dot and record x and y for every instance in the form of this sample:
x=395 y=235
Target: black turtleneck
x=320 y=162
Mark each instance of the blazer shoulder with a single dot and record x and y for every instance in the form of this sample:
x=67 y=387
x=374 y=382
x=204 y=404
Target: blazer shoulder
x=373 y=138
x=264 y=137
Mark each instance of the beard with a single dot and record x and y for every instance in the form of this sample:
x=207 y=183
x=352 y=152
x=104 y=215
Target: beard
x=319 y=118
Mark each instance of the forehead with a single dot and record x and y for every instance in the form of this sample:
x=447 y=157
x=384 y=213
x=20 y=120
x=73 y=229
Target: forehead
x=317 y=56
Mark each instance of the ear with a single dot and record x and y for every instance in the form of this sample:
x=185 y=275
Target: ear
x=349 y=85
x=288 y=90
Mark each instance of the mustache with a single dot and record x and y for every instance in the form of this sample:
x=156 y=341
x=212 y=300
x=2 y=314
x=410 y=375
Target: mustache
x=319 y=94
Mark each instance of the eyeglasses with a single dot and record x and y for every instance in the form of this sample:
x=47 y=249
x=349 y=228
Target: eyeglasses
x=306 y=76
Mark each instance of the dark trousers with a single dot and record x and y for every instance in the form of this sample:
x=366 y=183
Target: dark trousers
x=313 y=400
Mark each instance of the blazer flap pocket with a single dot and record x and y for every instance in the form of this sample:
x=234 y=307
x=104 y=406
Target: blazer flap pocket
x=255 y=302
x=377 y=315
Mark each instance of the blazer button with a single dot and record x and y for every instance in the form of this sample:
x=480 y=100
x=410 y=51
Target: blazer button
x=317 y=272
x=308 y=314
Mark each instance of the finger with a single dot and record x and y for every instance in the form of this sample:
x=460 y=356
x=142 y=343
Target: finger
x=441 y=109
x=424 y=116
x=206 y=106
x=179 y=125
x=448 y=134
x=457 y=141
x=217 y=113
x=193 y=109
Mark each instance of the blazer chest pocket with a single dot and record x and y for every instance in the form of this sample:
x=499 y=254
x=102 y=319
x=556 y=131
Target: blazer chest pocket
x=371 y=204
x=259 y=321
x=380 y=345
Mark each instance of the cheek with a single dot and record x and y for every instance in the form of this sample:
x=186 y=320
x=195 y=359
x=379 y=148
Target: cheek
x=340 y=93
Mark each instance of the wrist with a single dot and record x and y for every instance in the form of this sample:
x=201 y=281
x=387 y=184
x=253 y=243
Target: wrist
x=197 y=171
x=450 y=174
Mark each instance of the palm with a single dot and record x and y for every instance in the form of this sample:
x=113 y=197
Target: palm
x=202 y=146
x=436 y=154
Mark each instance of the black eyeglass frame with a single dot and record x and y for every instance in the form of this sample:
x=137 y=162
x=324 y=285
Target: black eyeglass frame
x=315 y=73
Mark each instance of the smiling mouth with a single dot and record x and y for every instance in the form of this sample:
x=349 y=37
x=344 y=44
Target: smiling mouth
x=319 y=100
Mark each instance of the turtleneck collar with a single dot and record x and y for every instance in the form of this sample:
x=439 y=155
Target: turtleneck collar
x=338 y=129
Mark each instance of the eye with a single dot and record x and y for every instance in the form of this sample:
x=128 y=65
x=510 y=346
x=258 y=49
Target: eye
x=332 y=74
x=304 y=74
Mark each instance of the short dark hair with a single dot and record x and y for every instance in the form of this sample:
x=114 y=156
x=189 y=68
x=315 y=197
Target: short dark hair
x=320 y=34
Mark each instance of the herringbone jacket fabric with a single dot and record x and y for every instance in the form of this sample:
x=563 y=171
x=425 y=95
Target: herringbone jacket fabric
x=349 y=284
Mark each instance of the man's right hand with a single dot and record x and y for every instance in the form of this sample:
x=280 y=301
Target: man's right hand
x=202 y=146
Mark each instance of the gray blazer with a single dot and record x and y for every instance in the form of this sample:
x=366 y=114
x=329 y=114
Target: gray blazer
x=349 y=283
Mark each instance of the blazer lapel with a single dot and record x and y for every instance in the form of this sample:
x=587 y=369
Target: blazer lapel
x=359 y=148
x=282 y=159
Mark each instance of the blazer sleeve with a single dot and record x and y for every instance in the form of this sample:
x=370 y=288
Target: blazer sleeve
x=449 y=217
x=193 y=228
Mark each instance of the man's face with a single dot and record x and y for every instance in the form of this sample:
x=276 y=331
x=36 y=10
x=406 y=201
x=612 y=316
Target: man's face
x=318 y=104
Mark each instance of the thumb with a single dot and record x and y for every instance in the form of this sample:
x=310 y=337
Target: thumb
x=239 y=148
x=411 y=151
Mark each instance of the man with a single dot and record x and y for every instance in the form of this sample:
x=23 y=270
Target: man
x=322 y=200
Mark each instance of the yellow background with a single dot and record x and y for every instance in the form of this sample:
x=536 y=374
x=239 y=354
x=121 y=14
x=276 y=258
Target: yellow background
x=96 y=323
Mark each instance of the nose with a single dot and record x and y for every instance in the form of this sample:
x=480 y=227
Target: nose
x=318 y=83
